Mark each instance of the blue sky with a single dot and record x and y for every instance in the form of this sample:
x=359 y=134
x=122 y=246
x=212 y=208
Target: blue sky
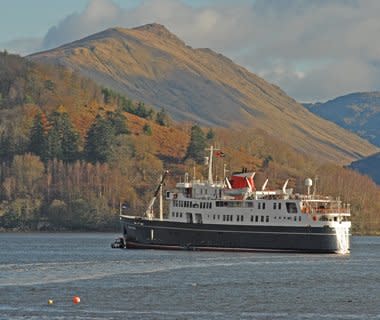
x=314 y=50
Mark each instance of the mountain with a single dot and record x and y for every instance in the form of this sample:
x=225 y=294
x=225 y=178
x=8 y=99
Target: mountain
x=357 y=112
x=369 y=166
x=150 y=63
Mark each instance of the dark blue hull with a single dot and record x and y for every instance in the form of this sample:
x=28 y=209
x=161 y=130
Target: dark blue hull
x=141 y=233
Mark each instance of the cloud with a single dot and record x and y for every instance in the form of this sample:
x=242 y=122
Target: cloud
x=314 y=50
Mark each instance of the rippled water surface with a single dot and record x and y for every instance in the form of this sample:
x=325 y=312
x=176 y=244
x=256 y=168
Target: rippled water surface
x=147 y=284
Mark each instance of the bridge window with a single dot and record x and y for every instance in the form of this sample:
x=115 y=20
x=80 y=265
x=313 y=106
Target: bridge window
x=262 y=218
x=267 y=219
x=264 y=206
x=279 y=206
x=256 y=218
x=274 y=206
x=291 y=207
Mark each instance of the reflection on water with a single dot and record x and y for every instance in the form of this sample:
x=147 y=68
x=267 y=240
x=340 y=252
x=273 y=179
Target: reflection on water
x=147 y=284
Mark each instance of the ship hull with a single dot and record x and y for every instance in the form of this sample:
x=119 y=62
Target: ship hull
x=155 y=234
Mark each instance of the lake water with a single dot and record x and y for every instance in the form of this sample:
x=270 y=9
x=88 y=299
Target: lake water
x=147 y=284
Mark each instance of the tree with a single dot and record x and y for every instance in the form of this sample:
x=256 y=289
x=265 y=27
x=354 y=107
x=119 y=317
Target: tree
x=210 y=134
x=99 y=140
x=118 y=122
x=62 y=138
x=38 y=138
x=162 y=118
x=197 y=145
x=147 y=129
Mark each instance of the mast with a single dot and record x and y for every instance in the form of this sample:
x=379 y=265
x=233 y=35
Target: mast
x=210 y=181
x=161 y=202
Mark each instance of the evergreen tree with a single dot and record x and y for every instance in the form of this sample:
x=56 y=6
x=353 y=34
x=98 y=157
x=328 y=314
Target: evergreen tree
x=70 y=140
x=99 y=140
x=38 y=138
x=62 y=138
x=118 y=122
x=197 y=146
x=210 y=134
x=162 y=118
x=147 y=129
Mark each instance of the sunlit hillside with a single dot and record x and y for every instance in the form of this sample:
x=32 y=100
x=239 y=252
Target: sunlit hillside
x=150 y=63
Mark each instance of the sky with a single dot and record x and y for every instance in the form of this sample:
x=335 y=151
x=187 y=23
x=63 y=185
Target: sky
x=315 y=50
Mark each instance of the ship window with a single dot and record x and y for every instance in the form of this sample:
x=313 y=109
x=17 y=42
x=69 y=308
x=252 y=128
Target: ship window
x=274 y=205
x=299 y=218
x=210 y=205
x=295 y=218
x=250 y=204
x=291 y=207
x=224 y=218
x=190 y=204
x=218 y=217
x=180 y=214
x=335 y=218
x=213 y=217
x=259 y=206
x=242 y=218
x=251 y=218
x=264 y=206
x=279 y=206
x=237 y=218
x=172 y=214
x=267 y=219
x=176 y=214
x=256 y=218
x=231 y=217
x=262 y=218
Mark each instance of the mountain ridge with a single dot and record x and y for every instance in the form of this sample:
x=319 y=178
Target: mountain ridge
x=152 y=64
x=358 y=112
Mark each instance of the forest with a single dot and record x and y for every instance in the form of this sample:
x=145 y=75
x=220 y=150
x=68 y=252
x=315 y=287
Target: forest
x=73 y=154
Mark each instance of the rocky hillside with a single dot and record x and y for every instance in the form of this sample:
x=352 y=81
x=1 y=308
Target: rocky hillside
x=357 y=112
x=151 y=64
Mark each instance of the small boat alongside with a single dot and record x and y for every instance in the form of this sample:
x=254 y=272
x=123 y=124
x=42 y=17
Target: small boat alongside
x=233 y=215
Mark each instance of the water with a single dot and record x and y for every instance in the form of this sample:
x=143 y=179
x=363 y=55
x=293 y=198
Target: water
x=147 y=284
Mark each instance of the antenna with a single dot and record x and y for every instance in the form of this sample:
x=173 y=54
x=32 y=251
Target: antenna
x=315 y=186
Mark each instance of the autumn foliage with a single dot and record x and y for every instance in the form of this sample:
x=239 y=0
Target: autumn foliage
x=73 y=154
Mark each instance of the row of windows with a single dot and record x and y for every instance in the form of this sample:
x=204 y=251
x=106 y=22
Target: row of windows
x=177 y=214
x=240 y=218
x=190 y=204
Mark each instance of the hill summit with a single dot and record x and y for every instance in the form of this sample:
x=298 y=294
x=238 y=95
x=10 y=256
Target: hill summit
x=151 y=64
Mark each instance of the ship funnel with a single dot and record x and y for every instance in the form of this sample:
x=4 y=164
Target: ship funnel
x=308 y=184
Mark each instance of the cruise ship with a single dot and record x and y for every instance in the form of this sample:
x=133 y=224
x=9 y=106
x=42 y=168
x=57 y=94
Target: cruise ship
x=234 y=215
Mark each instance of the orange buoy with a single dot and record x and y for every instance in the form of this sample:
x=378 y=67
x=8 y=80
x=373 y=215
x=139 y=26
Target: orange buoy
x=76 y=299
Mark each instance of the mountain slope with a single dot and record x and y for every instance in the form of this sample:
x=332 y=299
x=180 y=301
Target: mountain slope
x=369 y=166
x=357 y=112
x=151 y=64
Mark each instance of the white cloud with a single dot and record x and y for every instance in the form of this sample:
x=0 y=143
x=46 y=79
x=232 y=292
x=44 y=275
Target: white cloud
x=312 y=49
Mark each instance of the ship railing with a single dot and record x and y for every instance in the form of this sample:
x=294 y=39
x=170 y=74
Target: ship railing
x=327 y=211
